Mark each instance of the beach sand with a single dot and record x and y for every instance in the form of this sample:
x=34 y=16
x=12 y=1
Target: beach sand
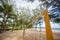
x=30 y=34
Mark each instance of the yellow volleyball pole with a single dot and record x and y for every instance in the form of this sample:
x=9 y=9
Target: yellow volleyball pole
x=49 y=35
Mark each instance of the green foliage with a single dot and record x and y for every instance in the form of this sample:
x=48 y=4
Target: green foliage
x=14 y=19
x=55 y=11
x=7 y=12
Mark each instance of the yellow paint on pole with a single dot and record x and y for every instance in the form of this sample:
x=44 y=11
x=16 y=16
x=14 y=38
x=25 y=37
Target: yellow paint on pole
x=49 y=35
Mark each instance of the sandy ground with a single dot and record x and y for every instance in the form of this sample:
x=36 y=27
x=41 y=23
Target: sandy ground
x=29 y=35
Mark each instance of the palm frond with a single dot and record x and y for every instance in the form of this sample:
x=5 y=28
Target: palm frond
x=1 y=8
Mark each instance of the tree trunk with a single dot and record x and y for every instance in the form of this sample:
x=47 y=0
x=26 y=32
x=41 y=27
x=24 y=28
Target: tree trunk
x=40 y=31
x=23 y=33
x=4 y=23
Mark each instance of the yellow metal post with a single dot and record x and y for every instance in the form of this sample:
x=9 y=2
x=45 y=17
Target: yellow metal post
x=49 y=35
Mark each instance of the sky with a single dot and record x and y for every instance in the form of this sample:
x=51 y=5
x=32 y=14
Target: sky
x=21 y=3
x=24 y=4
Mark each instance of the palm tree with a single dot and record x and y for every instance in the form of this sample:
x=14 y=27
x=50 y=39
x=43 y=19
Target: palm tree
x=7 y=10
x=55 y=12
